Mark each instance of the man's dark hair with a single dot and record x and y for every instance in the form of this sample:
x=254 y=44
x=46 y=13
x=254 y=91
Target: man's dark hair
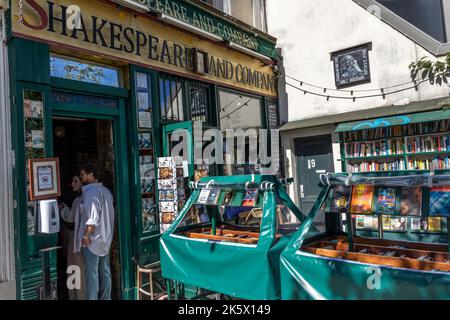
x=91 y=167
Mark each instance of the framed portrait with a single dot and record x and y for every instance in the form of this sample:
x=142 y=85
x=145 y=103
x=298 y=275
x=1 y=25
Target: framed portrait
x=351 y=66
x=44 y=178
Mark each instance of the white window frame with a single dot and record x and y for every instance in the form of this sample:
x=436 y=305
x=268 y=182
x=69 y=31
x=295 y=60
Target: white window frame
x=415 y=34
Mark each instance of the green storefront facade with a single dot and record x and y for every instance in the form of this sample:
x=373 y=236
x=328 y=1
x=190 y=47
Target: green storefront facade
x=176 y=93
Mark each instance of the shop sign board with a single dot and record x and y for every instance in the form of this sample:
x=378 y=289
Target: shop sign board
x=188 y=13
x=130 y=38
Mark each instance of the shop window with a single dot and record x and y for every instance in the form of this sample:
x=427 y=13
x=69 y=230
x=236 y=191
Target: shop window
x=33 y=110
x=234 y=111
x=182 y=100
x=237 y=111
x=68 y=68
x=427 y=15
x=171 y=90
x=199 y=101
x=144 y=110
x=252 y=12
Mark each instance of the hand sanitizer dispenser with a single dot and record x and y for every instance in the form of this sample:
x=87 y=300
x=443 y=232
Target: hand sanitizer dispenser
x=48 y=215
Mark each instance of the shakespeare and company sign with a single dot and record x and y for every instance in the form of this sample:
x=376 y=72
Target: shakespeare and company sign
x=103 y=29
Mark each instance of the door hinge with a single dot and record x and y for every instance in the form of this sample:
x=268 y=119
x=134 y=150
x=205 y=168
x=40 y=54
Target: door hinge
x=14 y=100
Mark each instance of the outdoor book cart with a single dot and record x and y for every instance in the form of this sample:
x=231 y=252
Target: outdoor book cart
x=378 y=261
x=240 y=260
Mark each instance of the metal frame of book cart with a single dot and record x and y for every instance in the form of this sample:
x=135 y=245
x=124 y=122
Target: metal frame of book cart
x=345 y=273
x=239 y=270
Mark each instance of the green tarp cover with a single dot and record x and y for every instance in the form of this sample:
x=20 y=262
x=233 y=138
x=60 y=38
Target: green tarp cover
x=309 y=276
x=239 y=270
x=394 y=121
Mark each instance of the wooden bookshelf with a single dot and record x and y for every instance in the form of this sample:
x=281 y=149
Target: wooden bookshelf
x=413 y=147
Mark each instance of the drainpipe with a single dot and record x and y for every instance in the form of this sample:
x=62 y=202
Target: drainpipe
x=7 y=271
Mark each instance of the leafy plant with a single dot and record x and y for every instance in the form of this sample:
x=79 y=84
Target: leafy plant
x=437 y=72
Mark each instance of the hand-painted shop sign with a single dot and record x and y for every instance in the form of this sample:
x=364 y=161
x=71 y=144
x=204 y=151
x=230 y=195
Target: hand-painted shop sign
x=136 y=39
x=188 y=13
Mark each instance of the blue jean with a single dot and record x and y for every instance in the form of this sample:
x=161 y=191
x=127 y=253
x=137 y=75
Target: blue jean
x=98 y=276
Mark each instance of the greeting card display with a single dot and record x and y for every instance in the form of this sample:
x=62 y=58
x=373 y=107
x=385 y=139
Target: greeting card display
x=168 y=195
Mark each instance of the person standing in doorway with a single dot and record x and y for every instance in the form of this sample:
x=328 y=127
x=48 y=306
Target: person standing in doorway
x=94 y=232
x=72 y=258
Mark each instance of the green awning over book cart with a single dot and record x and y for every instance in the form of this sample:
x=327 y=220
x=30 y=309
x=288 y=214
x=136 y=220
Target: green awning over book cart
x=394 y=121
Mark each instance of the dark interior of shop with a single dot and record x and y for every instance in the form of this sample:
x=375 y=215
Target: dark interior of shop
x=76 y=140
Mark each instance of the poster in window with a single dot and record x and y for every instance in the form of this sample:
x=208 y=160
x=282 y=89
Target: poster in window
x=141 y=80
x=37 y=139
x=145 y=120
x=144 y=140
x=351 y=66
x=33 y=109
x=143 y=101
x=44 y=178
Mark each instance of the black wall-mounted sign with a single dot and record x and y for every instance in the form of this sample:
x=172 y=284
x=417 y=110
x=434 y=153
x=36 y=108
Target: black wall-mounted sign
x=351 y=66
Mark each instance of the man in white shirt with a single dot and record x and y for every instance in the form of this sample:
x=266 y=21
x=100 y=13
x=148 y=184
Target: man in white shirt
x=94 y=230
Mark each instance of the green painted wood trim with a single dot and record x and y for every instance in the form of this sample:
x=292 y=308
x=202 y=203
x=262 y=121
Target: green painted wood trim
x=394 y=121
x=88 y=88
x=93 y=112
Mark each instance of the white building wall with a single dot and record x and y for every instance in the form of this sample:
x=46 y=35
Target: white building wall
x=6 y=207
x=309 y=30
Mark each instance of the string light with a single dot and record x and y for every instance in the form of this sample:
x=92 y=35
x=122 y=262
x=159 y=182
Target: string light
x=354 y=98
x=303 y=83
x=244 y=105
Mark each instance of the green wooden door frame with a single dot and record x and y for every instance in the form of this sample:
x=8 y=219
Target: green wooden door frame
x=145 y=245
x=118 y=118
x=27 y=247
x=172 y=127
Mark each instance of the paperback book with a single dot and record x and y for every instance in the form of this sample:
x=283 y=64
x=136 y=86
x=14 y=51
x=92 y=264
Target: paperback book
x=250 y=198
x=411 y=201
x=386 y=201
x=398 y=223
x=203 y=197
x=213 y=196
x=341 y=196
x=361 y=202
x=440 y=201
x=228 y=198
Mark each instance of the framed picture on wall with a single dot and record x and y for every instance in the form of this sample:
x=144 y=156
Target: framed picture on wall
x=44 y=178
x=351 y=66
